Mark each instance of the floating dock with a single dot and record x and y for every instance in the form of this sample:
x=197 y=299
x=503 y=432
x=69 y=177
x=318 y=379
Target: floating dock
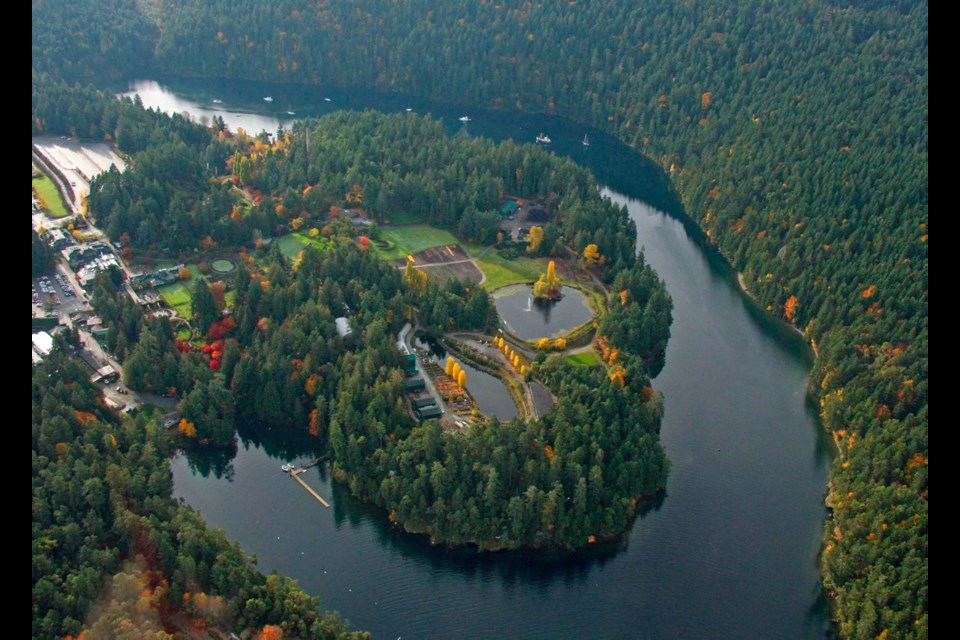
x=295 y=474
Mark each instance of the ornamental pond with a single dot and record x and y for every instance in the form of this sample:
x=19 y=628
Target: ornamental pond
x=528 y=318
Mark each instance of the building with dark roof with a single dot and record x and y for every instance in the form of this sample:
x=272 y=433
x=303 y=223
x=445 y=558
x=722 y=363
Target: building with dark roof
x=425 y=401
x=428 y=413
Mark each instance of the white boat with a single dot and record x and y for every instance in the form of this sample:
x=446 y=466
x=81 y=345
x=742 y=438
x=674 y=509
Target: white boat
x=268 y=99
x=291 y=113
x=465 y=119
x=543 y=139
x=408 y=109
x=586 y=140
x=327 y=100
x=217 y=101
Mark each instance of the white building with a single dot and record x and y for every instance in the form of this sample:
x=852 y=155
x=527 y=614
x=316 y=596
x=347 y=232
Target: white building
x=42 y=342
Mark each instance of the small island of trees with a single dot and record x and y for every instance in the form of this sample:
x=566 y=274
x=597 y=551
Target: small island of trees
x=548 y=286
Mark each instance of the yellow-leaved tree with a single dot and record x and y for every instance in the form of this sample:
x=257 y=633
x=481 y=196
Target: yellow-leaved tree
x=548 y=286
x=591 y=255
x=534 y=240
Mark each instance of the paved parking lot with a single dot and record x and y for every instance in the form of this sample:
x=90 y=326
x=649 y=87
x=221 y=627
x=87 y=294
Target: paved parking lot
x=57 y=293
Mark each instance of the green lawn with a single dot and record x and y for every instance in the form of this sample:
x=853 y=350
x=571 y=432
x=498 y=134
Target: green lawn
x=177 y=295
x=585 y=359
x=501 y=271
x=191 y=282
x=414 y=238
x=51 y=197
x=292 y=243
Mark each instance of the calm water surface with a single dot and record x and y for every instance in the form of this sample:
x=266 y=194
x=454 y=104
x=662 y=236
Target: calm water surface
x=530 y=319
x=730 y=552
x=491 y=394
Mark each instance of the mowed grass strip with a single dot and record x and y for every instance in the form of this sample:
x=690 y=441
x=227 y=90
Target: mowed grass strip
x=584 y=359
x=51 y=197
x=414 y=238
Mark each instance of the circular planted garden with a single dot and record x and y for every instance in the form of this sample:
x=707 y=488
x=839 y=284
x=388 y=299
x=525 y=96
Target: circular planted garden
x=222 y=266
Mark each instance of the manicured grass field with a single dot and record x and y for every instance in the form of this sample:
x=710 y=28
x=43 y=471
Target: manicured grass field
x=417 y=237
x=292 y=243
x=501 y=271
x=51 y=197
x=177 y=295
x=585 y=359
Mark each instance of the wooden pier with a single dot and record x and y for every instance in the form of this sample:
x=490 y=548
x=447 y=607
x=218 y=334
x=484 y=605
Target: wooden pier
x=295 y=474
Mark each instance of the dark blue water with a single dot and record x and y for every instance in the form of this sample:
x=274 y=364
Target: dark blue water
x=730 y=552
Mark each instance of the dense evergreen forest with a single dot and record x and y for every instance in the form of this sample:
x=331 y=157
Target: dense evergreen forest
x=795 y=133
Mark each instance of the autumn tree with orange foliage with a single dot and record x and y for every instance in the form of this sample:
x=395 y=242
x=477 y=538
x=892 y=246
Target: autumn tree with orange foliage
x=270 y=632
x=790 y=308
x=187 y=428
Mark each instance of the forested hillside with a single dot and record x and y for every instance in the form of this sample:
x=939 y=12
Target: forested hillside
x=796 y=134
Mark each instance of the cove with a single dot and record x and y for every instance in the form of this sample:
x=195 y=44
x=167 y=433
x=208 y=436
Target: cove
x=729 y=553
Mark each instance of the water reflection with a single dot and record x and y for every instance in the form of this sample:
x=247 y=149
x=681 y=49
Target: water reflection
x=216 y=462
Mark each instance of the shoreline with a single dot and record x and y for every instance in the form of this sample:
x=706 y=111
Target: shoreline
x=743 y=287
